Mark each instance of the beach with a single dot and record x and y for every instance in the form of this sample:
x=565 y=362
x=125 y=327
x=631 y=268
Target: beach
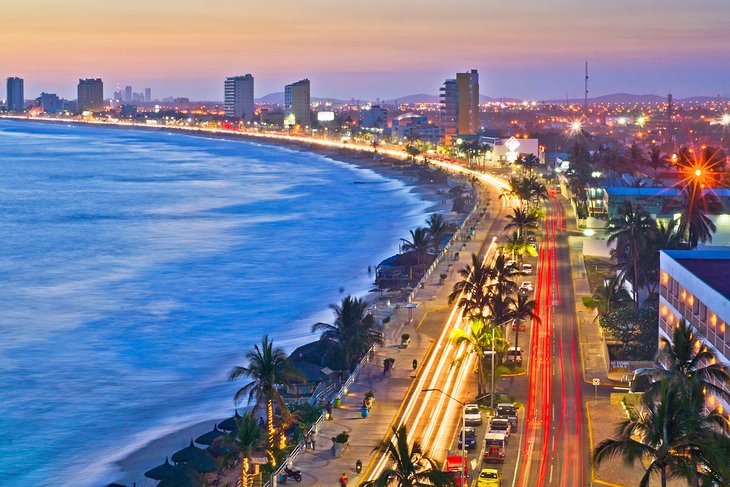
x=148 y=450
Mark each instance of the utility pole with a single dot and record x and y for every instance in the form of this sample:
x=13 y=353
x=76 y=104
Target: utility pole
x=585 y=99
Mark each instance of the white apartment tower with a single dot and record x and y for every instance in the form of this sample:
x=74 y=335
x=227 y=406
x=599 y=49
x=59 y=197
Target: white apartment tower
x=238 y=97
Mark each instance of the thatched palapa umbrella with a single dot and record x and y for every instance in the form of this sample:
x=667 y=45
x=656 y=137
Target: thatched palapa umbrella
x=186 y=454
x=209 y=437
x=161 y=471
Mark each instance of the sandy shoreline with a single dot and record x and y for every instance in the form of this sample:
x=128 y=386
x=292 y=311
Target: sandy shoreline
x=131 y=468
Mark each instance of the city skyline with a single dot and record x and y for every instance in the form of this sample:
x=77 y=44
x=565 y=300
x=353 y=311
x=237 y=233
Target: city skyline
x=529 y=51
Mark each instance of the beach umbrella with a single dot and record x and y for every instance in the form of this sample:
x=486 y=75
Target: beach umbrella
x=219 y=449
x=229 y=424
x=161 y=471
x=183 y=476
x=209 y=437
x=186 y=454
x=204 y=464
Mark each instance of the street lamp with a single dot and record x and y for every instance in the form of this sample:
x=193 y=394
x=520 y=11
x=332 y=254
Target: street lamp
x=463 y=432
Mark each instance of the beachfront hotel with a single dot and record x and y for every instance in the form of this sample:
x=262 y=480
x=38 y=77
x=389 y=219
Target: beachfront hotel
x=460 y=105
x=297 y=104
x=238 y=97
x=90 y=92
x=695 y=286
x=15 y=96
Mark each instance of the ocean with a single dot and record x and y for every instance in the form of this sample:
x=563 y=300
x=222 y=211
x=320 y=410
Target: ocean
x=137 y=268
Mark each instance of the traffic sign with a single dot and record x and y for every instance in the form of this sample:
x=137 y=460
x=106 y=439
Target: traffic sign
x=596 y=382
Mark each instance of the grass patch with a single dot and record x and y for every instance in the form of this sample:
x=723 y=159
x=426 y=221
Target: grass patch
x=598 y=269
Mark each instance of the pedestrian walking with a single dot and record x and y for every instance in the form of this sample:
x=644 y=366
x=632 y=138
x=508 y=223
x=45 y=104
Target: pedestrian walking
x=312 y=439
x=334 y=441
x=307 y=440
x=344 y=480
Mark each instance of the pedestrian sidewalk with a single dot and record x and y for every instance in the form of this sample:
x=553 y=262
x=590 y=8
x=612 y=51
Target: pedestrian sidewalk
x=320 y=467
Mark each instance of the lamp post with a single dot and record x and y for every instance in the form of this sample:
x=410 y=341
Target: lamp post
x=491 y=375
x=463 y=432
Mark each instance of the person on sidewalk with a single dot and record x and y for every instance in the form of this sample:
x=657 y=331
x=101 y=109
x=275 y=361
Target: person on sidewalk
x=344 y=480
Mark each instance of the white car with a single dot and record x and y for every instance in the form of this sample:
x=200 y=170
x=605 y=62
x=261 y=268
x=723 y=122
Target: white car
x=526 y=287
x=509 y=262
x=527 y=268
x=472 y=415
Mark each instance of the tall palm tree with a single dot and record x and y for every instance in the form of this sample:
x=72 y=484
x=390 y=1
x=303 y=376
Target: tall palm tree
x=354 y=330
x=663 y=433
x=473 y=285
x=501 y=275
x=524 y=309
x=529 y=163
x=521 y=219
x=515 y=246
x=408 y=466
x=607 y=297
x=247 y=438
x=419 y=243
x=695 y=206
x=666 y=237
x=686 y=360
x=437 y=228
x=267 y=369
x=478 y=336
x=633 y=228
x=501 y=309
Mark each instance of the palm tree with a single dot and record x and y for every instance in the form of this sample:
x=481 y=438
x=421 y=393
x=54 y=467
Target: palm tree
x=656 y=159
x=695 y=206
x=409 y=466
x=437 y=228
x=515 y=246
x=607 y=297
x=501 y=309
x=472 y=290
x=521 y=219
x=478 y=335
x=267 y=368
x=633 y=228
x=500 y=275
x=247 y=438
x=665 y=238
x=524 y=308
x=686 y=360
x=663 y=433
x=419 y=243
x=529 y=162
x=354 y=330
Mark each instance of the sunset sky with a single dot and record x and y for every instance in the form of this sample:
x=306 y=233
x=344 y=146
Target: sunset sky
x=532 y=49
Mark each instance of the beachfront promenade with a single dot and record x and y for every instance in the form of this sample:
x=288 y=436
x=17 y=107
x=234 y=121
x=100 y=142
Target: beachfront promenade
x=320 y=466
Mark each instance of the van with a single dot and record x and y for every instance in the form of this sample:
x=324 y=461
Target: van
x=494 y=448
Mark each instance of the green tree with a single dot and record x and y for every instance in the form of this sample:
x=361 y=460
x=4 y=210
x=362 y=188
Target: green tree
x=419 y=243
x=354 y=330
x=471 y=290
x=524 y=309
x=664 y=432
x=631 y=230
x=247 y=438
x=267 y=368
x=479 y=337
x=408 y=466
x=437 y=228
x=635 y=329
x=607 y=297
x=656 y=159
x=515 y=246
x=500 y=275
x=695 y=206
x=521 y=219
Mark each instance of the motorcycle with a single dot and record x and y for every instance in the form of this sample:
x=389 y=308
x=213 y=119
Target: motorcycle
x=295 y=475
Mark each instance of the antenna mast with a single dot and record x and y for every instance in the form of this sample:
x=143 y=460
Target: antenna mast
x=585 y=99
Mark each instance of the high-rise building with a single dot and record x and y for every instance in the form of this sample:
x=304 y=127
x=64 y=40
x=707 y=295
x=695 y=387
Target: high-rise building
x=148 y=94
x=297 y=110
x=375 y=117
x=127 y=93
x=49 y=103
x=238 y=97
x=694 y=287
x=90 y=95
x=16 y=99
x=460 y=105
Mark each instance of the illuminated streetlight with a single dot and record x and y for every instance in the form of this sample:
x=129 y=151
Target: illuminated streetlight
x=698 y=172
x=640 y=121
x=725 y=120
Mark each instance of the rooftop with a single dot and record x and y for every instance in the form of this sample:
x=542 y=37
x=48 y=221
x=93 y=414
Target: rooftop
x=712 y=266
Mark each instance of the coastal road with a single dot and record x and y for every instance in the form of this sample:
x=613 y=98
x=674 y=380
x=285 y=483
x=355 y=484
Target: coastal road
x=432 y=418
x=554 y=447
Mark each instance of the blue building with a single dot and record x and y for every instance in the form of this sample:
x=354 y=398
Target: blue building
x=16 y=100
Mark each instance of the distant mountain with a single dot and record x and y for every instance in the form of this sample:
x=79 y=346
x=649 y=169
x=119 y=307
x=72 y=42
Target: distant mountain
x=278 y=99
x=412 y=99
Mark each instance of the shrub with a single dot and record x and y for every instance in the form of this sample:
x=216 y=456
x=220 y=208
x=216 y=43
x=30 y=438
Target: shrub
x=343 y=437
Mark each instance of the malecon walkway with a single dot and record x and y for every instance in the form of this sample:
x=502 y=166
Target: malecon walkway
x=320 y=467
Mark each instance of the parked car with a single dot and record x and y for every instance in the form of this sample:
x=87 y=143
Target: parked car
x=501 y=425
x=526 y=287
x=494 y=447
x=509 y=262
x=489 y=477
x=471 y=438
x=518 y=322
x=508 y=409
x=514 y=355
x=531 y=239
x=472 y=415
x=527 y=268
